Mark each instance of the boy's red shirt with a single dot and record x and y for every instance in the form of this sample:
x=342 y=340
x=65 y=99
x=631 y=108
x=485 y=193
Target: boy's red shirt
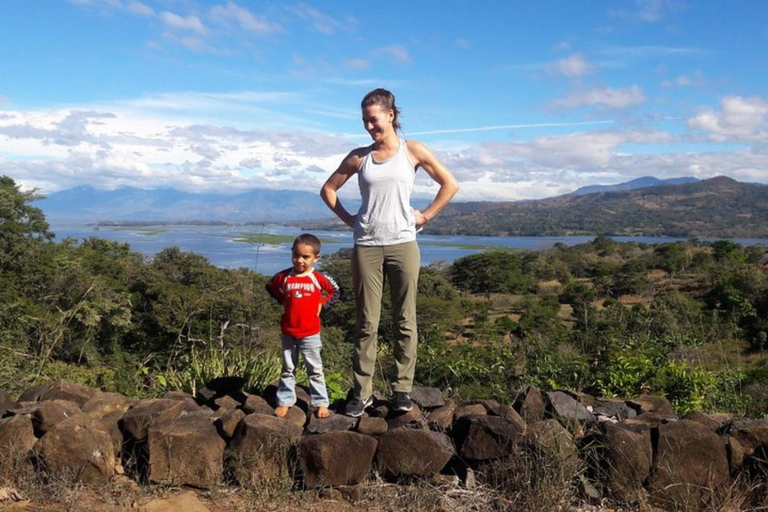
x=301 y=297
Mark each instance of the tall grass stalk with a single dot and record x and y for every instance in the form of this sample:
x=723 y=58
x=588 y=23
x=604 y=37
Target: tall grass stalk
x=191 y=371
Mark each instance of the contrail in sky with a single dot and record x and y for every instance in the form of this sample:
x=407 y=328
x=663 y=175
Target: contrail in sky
x=506 y=127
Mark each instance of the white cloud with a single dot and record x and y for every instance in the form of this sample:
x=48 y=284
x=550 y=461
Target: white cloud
x=191 y=23
x=357 y=64
x=655 y=10
x=191 y=42
x=396 y=52
x=692 y=80
x=232 y=14
x=573 y=66
x=649 y=11
x=153 y=142
x=621 y=56
x=602 y=97
x=321 y=22
x=739 y=119
x=140 y=9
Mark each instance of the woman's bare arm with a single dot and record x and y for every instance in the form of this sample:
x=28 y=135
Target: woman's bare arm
x=346 y=170
x=438 y=172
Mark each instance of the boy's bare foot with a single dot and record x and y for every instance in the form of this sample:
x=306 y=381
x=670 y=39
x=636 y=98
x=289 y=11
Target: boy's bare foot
x=281 y=411
x=322 y=412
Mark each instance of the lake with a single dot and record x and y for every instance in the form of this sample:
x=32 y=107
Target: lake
x=221 y=245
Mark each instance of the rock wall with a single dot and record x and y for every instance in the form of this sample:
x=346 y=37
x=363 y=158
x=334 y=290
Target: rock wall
x=625 y=448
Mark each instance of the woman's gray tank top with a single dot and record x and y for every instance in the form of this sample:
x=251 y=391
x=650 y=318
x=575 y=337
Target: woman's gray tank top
x=386 y=216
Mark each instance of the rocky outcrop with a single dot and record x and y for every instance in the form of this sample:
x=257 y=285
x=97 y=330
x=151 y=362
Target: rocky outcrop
x=188 y=451
x=259 y=449
x=690 y=464
x=154 y=412
x=530 y=405
x=480 y=438
x=335 y=458
x=408 y=452
x=17 y=438
x=76 y=449
x=634 y=447
x=626 y=458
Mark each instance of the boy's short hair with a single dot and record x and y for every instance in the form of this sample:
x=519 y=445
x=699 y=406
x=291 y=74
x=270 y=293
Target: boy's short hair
x=307 y=239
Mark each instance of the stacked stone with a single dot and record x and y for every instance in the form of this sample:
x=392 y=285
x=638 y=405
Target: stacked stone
x=628 y=447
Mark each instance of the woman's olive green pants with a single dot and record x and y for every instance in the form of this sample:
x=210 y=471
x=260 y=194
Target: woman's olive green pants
x=399 y=264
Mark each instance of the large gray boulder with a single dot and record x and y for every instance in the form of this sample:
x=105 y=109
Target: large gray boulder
x=65 y=390
x=441 y=419
x=188 y=451
x=410 y=419
x=152 y=412
x=255 y=403
x=46 y=415
x=408 y=452
x=530 y=405
x=104 y=404
x=567 y=409
x=626 y=458
x=372 y=426
x=613 y=408
x=333 y=423
x=550 y=442
x=260 y=447
x=653 y=404
x=484 y=437
x=76 y=449
x=746 y=436
x=110 y=423
x=690 y=467
x=469 y=410
x=508 y=413
x=335 y=458
x=427 y=397
x=17 y=437
x=228 y=421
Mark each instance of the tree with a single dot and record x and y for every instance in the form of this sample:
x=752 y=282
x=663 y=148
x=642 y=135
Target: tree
x=491 y=272
x=22 y=226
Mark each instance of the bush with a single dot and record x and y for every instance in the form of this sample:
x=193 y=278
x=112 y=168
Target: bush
x=471 y=371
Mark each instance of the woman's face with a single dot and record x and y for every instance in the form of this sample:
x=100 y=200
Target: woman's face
x=377 y=121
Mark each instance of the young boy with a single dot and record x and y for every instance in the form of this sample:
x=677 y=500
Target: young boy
x=303 y=291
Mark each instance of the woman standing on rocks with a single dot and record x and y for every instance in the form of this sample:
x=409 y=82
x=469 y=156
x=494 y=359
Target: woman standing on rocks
x=385 y=241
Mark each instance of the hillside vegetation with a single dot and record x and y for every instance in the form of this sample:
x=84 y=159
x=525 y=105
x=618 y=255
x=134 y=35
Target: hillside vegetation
x=685 y=320
x=718 y=207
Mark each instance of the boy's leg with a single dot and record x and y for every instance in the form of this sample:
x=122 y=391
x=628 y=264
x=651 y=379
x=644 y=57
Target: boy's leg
x=368 y=277
x=286 y=389
x=310 y=350
x=402 y=265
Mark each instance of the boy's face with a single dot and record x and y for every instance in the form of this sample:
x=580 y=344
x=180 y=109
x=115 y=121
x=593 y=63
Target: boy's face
x=303 y=257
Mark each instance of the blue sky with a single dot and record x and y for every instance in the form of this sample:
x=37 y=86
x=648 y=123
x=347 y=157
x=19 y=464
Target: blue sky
x=521 y=100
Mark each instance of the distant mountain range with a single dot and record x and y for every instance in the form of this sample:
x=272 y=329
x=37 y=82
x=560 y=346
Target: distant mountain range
x=717 y=207
x=89 y=205
x=86 y=204
x=645 y=181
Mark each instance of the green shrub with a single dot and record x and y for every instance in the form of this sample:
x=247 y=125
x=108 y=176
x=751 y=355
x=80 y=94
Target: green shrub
x=192 y=370
x=687 y=388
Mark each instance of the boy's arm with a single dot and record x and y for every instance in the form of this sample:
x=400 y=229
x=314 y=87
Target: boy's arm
x=331 y=289
x=275 y=287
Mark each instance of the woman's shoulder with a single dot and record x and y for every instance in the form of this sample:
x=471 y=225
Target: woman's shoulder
x=358 y=154
x=417 y=150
